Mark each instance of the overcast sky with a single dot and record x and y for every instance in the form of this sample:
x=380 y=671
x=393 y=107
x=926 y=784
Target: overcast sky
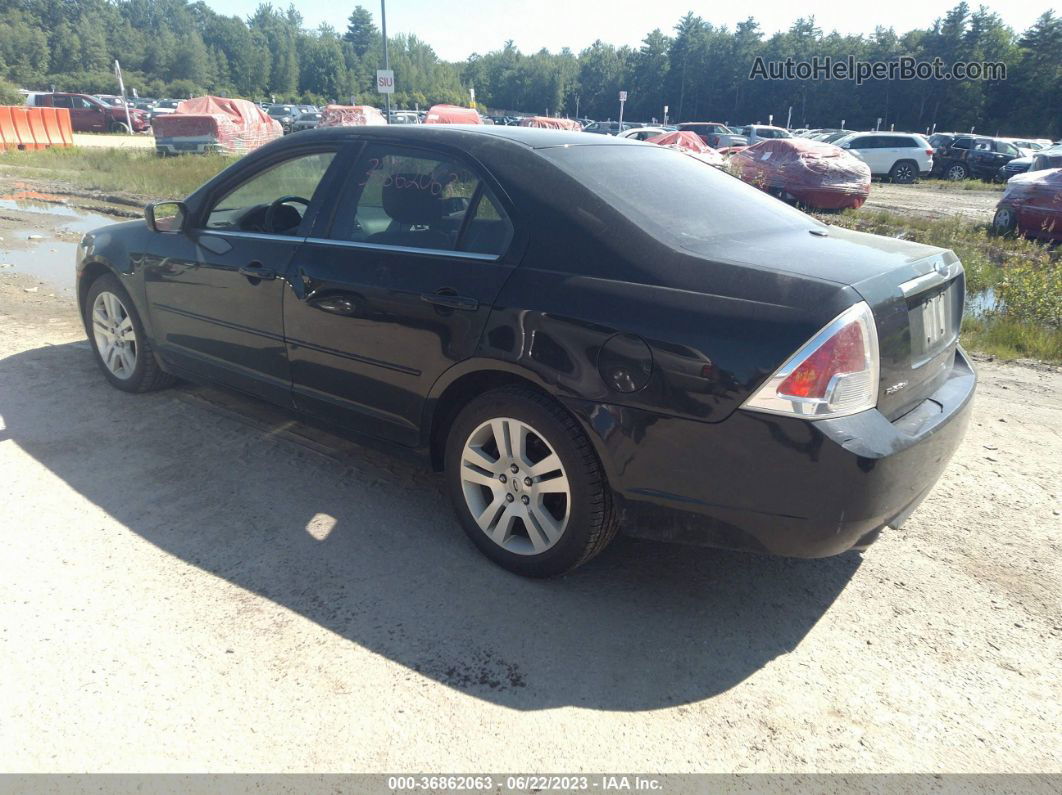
x=457 y=28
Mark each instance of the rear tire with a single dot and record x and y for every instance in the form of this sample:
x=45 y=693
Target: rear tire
x=119 y=343
x=956 y=172
x=904 y=172
x=119 y=127
x=555 y=511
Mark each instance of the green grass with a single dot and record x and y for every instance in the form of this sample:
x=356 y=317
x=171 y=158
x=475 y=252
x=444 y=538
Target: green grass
x=1025 y=275
x=141 y=173
x=1012 y=339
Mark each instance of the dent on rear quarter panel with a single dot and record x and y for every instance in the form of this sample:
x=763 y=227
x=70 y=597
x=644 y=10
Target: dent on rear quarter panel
x=707 y=351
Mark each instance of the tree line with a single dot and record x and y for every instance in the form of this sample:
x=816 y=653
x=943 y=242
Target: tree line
x=699 y=70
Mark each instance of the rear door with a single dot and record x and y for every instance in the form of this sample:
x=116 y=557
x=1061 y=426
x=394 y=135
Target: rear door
x=396 y=288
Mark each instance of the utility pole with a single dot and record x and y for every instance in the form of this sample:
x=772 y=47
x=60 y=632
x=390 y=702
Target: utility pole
x=387 y=62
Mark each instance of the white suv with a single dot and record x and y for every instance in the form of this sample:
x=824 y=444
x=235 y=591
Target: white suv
x=762 y=132
x=902 y=157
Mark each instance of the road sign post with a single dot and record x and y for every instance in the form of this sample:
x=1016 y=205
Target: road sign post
x=121 y=89
x=622 y=98
x=387 y=61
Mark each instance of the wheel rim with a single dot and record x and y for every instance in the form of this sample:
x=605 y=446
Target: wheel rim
x=115 y=335
x=515 y=486
x=1003 y=219
x=956 y=172
x=903 y=173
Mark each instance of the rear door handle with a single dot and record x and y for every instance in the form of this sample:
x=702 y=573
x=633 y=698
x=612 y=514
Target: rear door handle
x=255 y=270
x=451 y=301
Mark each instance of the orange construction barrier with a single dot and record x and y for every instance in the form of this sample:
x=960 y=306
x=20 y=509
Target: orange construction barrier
x=35 y=117
x=23 y=129
x=8 y=138
x=51 y=126
x=34 y=128
x=66 y=128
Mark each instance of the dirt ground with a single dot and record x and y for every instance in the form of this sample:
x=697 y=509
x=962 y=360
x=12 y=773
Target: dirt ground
x=929 y=200
x=193 y=581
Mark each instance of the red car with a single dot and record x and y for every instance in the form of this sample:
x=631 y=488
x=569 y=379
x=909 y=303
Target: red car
x=88 y=114
x=1031 y=205
x=815 y=174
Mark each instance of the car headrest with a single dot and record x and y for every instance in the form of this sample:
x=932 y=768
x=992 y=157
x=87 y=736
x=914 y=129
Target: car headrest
x=409 y=199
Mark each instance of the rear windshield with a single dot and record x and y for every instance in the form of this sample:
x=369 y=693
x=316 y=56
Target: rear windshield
x=673 y=196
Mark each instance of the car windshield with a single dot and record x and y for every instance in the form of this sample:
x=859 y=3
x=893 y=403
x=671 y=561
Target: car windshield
x=673 y=196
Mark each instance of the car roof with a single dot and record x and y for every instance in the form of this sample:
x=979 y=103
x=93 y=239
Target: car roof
x=467 y=134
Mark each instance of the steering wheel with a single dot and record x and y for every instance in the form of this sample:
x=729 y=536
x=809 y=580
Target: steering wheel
x=271 y=211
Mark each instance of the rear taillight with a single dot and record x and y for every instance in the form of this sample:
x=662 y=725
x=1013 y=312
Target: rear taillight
x=834 y=374
x=930 y=152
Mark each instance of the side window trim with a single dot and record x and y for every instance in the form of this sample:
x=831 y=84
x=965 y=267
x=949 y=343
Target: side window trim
x=430 y=252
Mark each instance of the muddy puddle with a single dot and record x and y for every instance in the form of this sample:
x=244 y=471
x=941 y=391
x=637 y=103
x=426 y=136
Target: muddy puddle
x=39 y=237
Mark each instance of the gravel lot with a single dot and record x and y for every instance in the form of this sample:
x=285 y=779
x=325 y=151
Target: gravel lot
x=193 y=581
x=928 y=200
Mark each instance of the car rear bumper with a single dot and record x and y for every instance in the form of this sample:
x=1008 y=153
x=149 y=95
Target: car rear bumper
x=776 y=484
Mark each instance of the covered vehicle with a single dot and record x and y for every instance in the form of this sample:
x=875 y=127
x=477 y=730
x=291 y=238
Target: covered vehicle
x=214 y=124
x=815 y=174
x=551 y=123
x=350 y=116
x=691 y=144
x=1031 y=205
x=452 y=114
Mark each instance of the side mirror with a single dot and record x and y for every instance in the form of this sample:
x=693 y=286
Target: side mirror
x=165 y=216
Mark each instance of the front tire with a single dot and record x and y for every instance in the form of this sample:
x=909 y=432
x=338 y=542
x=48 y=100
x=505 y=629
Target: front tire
x=526 y=483
x=119 y=343
x=1005 y=222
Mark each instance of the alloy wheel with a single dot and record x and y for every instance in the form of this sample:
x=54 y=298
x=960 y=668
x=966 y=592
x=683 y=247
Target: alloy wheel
x=956 y=173
x=904 y=173
x=515 y=486
x=115 y=335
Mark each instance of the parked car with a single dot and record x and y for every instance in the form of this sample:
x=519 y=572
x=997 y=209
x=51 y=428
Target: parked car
x=404 y=117
x=714 y=134
x=1031 y=206
x=754 y=133
x=164 y=107
x=214 y=124
x=966 y=156
x=88 y=114
x=306 y=121
x=1018 y=165
x=902 y=157
x=583 y=338
x=809 y=173
x=1051 y=157
x=285 y=115
x=609 y=127
x=642 y=133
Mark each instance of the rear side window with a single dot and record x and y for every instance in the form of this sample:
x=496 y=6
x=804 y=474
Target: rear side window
x=624 y=176
x=410 y=198
x=962 y=143
x=59 y=102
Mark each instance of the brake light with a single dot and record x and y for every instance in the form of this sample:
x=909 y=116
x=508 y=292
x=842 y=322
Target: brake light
x=834 y=374
x=930 y=152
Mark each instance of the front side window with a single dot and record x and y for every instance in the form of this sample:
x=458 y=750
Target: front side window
x=413 y=199
x=273 y=201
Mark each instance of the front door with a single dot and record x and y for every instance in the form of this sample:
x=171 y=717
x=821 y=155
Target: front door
x=395 y=289
x=215 y=299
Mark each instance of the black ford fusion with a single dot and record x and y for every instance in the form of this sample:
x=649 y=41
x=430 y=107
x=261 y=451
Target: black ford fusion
x=584 y=333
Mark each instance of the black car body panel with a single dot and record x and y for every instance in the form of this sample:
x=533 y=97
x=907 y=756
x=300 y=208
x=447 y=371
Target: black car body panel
x=652 y=340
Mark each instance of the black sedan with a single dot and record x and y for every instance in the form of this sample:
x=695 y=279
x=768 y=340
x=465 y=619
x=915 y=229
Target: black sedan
x=705 y=365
